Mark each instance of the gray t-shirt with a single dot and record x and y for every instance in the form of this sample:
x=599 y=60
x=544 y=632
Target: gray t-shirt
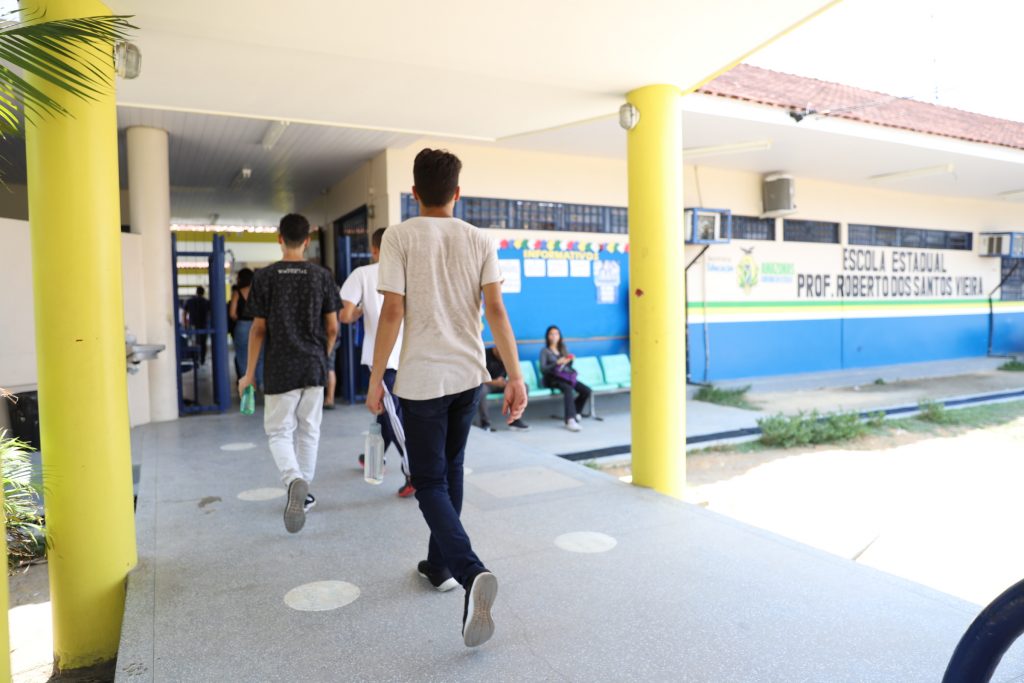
x=440 y=266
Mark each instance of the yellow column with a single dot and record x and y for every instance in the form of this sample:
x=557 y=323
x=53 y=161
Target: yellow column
x=657 y=294
x=5 y=634
x=74 y=210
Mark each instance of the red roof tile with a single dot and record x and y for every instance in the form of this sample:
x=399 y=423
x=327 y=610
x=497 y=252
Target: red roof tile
x=796 y=93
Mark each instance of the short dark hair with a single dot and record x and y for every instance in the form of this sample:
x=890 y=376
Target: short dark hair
x=200 y=290
x=245 y=277
x=294 y=229
x=378 y=237
x=435 y=174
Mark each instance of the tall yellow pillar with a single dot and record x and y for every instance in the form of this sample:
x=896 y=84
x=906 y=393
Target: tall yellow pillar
x=657 y=294
x=74 y=210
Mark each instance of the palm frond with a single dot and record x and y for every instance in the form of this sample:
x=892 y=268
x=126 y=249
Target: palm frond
x=66 y=53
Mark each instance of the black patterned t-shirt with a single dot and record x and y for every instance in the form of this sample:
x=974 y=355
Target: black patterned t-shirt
x=294 y=296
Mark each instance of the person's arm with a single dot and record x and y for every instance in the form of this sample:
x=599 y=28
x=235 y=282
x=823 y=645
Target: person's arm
x=390 y=324
x=233 y=306
x=331 y=326
x=349 y=312
x=505 y=340
x=548 y=361
x=256 y=336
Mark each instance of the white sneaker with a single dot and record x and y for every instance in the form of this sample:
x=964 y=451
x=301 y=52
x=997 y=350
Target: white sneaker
x=572 y=425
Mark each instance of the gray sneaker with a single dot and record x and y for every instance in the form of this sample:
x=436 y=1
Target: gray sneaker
x=295 y=508
x=477 y=625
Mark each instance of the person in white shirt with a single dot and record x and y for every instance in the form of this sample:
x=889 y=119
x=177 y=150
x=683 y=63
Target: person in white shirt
x=433 y=271
x=360 y=299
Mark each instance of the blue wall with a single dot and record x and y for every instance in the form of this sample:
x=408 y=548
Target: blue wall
x=786 y=347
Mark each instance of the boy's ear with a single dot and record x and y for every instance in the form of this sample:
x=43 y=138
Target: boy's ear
x=280 y=239
x=458 y=193
x=415 y=194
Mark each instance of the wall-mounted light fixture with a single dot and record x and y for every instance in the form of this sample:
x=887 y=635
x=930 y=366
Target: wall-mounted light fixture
x=127 y=59
x=734 y=148
x=273 y=133
x=925 y=172
x=629 y=116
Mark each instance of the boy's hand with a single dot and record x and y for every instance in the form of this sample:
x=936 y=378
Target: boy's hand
x=375 y=397
x=515 y=400
x=245 y=381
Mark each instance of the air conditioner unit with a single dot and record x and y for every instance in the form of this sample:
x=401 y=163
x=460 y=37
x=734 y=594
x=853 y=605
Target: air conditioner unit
x=1002 y=244
x=707 y=226
x=777 y=195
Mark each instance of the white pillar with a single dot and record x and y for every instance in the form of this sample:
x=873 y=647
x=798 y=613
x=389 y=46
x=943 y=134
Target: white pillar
x=149 y=188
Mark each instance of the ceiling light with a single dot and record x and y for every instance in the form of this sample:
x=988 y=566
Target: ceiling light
x=752 y=146
x=1012 y=194
x=244 y=174
x=185 y=227
x=942 y=169
x=273 y=133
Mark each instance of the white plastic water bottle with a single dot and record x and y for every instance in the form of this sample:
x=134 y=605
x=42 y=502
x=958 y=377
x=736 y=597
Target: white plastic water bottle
x=373 y=470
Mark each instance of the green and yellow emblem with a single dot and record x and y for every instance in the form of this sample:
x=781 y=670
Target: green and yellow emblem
x=748 y=273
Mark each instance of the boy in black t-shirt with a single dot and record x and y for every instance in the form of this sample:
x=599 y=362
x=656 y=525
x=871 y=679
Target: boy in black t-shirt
x=294 y=307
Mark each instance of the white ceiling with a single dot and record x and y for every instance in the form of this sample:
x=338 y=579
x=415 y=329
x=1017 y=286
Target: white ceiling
x=458 y=68
x=207 y=152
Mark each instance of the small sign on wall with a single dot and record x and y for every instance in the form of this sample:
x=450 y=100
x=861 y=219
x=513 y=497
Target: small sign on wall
x=579 y=268
x=558 y=268
x=534 y=267
x=511 y=273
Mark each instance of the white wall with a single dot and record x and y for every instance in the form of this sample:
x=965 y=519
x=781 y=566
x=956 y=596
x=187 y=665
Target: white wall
x=366 y=185
x=17 y=321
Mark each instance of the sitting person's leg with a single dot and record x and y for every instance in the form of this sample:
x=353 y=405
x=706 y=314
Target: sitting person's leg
x=582 y=396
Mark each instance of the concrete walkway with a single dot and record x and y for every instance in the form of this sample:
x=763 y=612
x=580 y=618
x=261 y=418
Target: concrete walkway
x=678 y=593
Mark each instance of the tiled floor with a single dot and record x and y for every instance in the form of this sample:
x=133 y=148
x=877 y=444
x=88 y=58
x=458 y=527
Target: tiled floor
x=599 y=581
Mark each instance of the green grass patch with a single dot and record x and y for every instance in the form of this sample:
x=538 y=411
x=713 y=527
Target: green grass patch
x=1012 y=366
x=735 y=398
x=811 y=428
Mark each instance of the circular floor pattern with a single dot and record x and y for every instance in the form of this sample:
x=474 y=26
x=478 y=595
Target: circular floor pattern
x=261 y=494
x=238 y=446
x=321 y=596
x=586 y=542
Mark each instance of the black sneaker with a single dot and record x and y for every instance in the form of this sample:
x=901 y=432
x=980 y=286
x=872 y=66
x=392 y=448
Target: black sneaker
x=477 y=625
x=486 y=426
x=295 y=508
x=362 y=460
x=441 y=579
x=310 y=503
x=519 y=426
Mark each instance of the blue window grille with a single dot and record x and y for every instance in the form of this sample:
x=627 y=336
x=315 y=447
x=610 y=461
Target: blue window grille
x=810 y=231
x=912 y=238
x=486 y=212
x=750 y=228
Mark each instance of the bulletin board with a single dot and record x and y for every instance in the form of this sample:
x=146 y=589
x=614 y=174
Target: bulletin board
x=580 y=285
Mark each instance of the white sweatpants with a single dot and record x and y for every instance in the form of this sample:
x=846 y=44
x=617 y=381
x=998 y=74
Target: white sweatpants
x=292 y=423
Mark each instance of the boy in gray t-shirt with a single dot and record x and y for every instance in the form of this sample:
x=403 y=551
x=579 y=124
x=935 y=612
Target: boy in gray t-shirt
x=433 y=269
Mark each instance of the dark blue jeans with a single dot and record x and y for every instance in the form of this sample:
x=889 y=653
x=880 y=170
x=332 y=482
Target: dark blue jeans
x=436 y=431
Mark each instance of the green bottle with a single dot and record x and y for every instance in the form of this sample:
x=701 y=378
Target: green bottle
x=249 y=400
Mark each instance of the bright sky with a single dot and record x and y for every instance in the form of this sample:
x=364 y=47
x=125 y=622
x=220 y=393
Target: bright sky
x=956 y=53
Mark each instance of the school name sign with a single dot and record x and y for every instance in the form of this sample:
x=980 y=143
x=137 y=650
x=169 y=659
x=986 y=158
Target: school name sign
x=776 y=272
x=894 y=274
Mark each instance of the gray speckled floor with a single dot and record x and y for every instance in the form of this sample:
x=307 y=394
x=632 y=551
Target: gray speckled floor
x=685 y=595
